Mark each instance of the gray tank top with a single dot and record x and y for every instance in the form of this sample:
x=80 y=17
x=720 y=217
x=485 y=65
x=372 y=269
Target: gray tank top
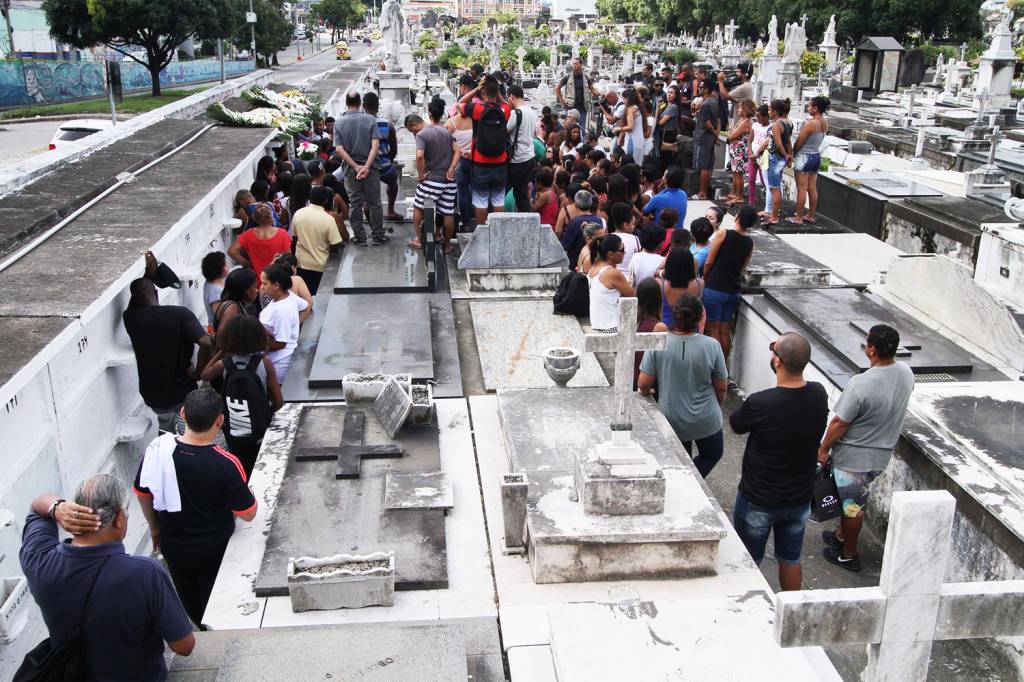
x=813 y=143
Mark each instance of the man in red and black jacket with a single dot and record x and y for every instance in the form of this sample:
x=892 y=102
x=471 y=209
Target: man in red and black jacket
x=489 y=150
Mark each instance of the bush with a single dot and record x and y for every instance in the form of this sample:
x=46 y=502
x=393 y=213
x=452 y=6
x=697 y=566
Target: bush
x=681 y=56
x=427 y=42
x=470 y=31
x=609 y=45
x=811 y=63
x=451 y=56
x=644 y=33
x=754 y=56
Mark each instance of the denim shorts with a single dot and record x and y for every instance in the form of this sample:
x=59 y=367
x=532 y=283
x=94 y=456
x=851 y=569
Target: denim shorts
x=773 y=176
x=704 y=157
x=807 y=163
x=754 y=523
x=853 y=487
x=488 y=184
x=719 y=305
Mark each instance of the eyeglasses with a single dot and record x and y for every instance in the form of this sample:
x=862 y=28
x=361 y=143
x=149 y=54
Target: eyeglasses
x=623 y=250
x=771 y=347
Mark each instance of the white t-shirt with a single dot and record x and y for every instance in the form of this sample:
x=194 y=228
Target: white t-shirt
x=643 y=265
x=631 y=243
x=281 y=318
x=524 y=144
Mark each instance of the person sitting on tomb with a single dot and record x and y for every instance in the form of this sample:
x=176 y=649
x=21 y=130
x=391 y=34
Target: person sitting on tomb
x=648 y=319
x=692 y=378
x=214 y=267
x=288 y=261
x=191 y=490
x=242 y=344
x=861 y=436
x=728 y=257
x=590 y=232
x=164 y=338
x=125 y=605
x=572 y=235
x=256 y=248
x=785 y=424
x=607 y=283
x=281 y=317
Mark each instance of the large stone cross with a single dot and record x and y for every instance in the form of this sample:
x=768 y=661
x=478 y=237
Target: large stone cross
x=624 y=343
x=730 y=32
x=994 y=139
x=911 y=607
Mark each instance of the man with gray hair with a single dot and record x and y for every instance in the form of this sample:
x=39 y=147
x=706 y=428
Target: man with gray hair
x=572 y=237
x=785 y=424
x=125 y=605
x=191 y=496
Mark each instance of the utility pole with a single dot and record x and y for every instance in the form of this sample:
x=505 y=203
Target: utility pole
x=251 y=18
x=220 y=55
x=5 y=7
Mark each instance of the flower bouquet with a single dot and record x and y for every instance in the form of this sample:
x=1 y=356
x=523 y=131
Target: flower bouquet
x=307 y=151
x=290 y=112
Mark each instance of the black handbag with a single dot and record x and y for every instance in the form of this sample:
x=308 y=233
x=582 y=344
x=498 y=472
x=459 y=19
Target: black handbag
x=64 y=662
x=825 y=502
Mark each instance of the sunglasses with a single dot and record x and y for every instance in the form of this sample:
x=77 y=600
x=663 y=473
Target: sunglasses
x=771 y=347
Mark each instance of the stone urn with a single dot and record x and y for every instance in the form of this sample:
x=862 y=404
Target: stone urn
x=343 y=581
x=561 y=364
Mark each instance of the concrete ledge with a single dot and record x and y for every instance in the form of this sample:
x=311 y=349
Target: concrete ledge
x=30 y=170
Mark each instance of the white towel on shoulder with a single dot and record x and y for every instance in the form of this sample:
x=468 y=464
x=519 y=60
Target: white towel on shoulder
x=158 y=473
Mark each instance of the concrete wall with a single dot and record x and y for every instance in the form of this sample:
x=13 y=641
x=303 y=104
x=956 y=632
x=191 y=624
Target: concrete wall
x=910 y=237
x=75 y=410
x=1001 y=262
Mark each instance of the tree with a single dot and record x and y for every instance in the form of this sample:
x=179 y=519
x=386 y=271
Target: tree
x=340 y=14
x=156 y=26
x=273 y=31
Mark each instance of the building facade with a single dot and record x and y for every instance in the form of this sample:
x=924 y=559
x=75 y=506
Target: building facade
x=475 y=10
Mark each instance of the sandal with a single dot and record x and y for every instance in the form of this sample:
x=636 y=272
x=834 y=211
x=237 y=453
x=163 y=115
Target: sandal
x=415 y=244
x=394 y=218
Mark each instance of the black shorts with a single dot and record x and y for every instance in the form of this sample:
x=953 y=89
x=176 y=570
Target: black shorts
x=704 y=157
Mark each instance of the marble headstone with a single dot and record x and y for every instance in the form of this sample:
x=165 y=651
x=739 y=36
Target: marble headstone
x=513 y=240
x=392 y=406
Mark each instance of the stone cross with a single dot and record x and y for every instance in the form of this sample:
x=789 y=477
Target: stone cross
x=994 y=139
x=963 y=51
x=910 y=104
x=520 y=54
x=911 y=607
x=983 y=99
x=624 y=343
x=919 y=150
x=803 y=21
x=730 y=32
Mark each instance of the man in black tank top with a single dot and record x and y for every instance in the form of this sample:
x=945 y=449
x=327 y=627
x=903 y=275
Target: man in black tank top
x=729 y=256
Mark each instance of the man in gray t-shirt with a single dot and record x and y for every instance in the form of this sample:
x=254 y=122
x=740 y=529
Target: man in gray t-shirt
x=860 y=439
x=437 y=155
x=357 y=141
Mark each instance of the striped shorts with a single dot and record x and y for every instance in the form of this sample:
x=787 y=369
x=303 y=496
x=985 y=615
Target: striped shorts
x=441 y=193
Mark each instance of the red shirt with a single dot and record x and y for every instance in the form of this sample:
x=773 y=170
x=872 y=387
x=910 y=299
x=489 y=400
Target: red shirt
x=261 y=252
x=474 y=110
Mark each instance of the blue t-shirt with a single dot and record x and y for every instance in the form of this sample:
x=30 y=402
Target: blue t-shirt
x=701 y=254
x=133 y=611
x=668 y=198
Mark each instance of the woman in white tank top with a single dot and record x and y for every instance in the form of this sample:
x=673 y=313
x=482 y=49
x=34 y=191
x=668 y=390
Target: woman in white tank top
x=607 y=283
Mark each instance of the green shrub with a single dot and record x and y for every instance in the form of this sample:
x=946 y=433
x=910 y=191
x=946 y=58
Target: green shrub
x=450 y=58
x=811 y=63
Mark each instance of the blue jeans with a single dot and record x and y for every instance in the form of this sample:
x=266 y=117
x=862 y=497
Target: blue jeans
x=709 y=451
x=807 y=163
x=465 y=195
x=754 y=523
x=720 y=306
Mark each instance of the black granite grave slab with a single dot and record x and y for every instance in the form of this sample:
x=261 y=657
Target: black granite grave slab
x=957 y=218
x=385 y=333
x=776 y=263
x=836 y=318
x=319 y=515
x=391 y=267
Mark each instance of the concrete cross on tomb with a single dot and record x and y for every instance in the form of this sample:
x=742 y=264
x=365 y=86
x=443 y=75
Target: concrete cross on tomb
x=730 y=32
x=351 y=451
x=983 y=99
x=624 y=343
x=911 y=607
x=994 y=139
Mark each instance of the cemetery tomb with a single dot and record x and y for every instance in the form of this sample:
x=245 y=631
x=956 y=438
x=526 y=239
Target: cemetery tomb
x=393 y=267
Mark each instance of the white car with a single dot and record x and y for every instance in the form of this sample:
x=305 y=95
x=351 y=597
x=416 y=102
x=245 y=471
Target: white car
x=70 y=132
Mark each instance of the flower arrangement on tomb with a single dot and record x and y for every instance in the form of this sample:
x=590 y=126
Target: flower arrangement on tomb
x=291 y=112
x=307 y=151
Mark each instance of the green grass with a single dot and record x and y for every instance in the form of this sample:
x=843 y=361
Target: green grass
x=132 y=104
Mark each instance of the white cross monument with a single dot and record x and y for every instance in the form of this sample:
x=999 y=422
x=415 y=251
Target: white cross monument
x=911 y=607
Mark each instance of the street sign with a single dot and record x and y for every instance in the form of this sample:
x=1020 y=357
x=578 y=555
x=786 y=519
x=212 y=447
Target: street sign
x=114 y=81
x=250 y=17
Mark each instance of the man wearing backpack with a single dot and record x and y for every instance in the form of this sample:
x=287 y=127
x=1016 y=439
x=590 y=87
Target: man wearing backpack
x=523 y=162
x=123 y=607
x=190 y=491
x=488 y=151
x=574 y=91
x=385 y=161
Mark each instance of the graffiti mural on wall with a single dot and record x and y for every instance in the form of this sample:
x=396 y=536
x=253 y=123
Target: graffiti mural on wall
x=49 y=82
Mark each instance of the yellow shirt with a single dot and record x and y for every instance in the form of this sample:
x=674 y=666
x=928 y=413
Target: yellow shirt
x=317 y=231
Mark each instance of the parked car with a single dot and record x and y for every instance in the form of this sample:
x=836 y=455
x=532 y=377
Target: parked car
x=341 y=50
x=367 y=41
x=70 y=132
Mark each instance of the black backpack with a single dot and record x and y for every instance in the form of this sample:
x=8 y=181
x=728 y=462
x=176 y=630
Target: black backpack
x=246 y=406
x=64 y=662
x=489 y=135
x=573 y=295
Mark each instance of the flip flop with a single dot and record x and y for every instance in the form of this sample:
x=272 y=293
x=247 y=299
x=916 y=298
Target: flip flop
x=415 y=244
x=395 y=218
x=812 y=221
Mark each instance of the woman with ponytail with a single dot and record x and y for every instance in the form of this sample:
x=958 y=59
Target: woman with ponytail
x=607 y=282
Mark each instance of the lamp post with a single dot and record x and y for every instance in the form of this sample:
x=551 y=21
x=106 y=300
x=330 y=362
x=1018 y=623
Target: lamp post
x=5 y=7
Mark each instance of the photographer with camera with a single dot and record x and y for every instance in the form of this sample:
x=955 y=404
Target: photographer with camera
x=736 y=89
x=614 y=111
x=576 y=95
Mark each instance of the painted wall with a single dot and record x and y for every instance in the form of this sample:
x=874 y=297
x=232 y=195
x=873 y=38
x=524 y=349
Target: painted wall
x=48 y=82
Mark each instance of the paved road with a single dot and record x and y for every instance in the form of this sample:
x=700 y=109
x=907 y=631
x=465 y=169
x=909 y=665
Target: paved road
x=20 y=141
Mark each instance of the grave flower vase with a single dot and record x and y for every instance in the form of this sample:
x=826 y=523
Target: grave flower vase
x=561 y=364
x=342 y=581
x=422 y=404
x=14 y=603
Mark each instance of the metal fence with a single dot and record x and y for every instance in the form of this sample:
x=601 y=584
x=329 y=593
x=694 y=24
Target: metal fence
x=50 y=82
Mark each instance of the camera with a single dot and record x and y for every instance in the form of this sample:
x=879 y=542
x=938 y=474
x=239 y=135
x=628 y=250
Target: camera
x=603 y=102
x=732 y=81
